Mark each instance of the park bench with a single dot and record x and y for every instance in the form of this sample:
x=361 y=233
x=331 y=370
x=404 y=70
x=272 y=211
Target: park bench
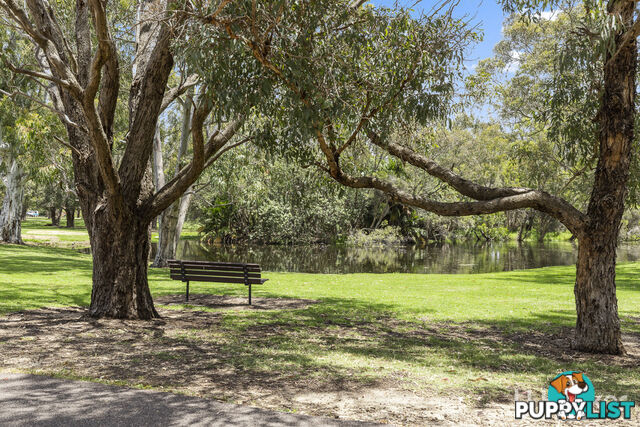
x=222 y=272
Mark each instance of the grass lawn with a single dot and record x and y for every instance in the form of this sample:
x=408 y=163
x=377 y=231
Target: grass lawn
x=38 y=231
x=480 y=336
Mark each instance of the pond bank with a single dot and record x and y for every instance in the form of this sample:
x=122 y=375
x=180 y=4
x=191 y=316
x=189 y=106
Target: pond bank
x=462 y=257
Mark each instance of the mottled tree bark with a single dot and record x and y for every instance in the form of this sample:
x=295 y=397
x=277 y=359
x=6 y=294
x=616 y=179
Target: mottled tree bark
x=54 y=216
x=598 y=325
x=120 y=250
x=71 y=215
x=12 y=206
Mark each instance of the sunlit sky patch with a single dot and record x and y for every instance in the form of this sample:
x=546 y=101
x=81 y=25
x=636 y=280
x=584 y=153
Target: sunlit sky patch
x=486 y=14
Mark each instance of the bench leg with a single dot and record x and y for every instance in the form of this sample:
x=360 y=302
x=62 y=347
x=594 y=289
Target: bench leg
x=249 y=294
x=187 y=299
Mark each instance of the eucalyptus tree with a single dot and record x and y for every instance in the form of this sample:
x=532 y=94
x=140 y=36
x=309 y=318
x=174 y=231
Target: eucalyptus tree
x=13 y=177
x=172 y=219
x=82 y=52
x=13 y=170
x=591 y=110
x=344 y=78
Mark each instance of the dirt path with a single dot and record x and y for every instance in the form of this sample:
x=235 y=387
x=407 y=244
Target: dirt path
x=32 y=400
x=185 y=352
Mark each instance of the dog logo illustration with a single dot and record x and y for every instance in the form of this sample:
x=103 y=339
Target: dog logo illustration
x=571 y=396
x=574 y=388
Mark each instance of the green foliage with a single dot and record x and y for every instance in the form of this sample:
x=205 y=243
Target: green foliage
x=29 y=131
x=252 y=196
x=559 y=82
x=548 y=105
x=386 y=236
x=299 y=65
x=490 y=232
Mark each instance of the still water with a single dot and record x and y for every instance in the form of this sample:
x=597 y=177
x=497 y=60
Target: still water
x=436 y=258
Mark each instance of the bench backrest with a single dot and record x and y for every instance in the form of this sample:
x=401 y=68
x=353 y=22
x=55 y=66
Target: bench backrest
x=206 y=271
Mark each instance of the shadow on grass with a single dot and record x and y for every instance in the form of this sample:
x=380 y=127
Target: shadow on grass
x=336 y=345
x=34 y=295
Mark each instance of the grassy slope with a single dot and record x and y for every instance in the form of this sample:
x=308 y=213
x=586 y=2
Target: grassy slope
x=381 y=320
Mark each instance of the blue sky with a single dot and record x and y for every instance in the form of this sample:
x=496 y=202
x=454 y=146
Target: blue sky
x=487 y=14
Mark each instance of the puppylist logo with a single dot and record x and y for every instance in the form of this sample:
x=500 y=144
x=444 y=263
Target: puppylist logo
x=571 y=396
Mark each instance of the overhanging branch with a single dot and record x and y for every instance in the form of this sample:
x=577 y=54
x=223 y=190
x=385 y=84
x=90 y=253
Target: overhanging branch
x=535 y=199
x=488 y=200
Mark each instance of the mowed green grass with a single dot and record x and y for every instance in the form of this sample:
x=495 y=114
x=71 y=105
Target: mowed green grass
x=450 y=333
x=33 y=277
x=39 y=231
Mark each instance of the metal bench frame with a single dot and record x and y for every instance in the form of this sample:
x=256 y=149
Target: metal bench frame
x=221 y=272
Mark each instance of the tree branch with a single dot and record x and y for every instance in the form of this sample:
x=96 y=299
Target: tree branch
x=153 y=65
x=219 y=154
x=37 y=74
x=173 y=93
x=106 y=59
x=489 y=200
x=65 y=119
x=630 y=35
x=190 y=173
x=538 y=200
x=69 y=146
x=463 y=186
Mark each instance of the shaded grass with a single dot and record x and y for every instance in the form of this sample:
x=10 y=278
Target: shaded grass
x=477 y=334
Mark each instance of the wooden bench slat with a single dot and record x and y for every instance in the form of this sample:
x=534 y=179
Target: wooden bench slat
x=220 y=272
x=215 y=267
x=231 y=264
x=251 y=281
x=187 y=271
x=207 y=263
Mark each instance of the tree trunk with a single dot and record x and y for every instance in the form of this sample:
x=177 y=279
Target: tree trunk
x=598 y=325
x=545 y=225
x=53 y=214
x=71 y=215
x=171 y=223
x=10 y=226
x=526 y=225
x=185 y=202
x=120 y=250
x=172 y=219
x=166 y=236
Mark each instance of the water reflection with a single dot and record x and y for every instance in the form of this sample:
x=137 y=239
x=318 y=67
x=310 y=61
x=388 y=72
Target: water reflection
x=437 y=258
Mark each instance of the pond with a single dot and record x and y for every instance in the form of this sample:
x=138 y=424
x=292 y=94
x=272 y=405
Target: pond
x=436 y=258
